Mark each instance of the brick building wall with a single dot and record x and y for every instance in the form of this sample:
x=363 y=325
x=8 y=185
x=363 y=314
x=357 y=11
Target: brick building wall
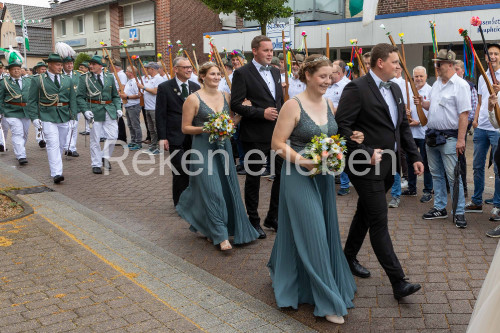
x=114 y=21
x=186 y=21
x=393 y=6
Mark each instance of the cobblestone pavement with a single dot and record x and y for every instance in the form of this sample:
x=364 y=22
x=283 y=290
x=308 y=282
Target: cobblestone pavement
x=450 y=263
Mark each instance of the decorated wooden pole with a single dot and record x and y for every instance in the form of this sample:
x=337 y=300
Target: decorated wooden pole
x=134 y=58
x=123 y=44
x=142 y=66
x=328 y=43
x=219 y=60
x=286 y=96
x=182 y=51
x=434 y=42
x=489 y=86
x=304 y=35
x=195 y=59
x=420 y=111
x=115 y=73
x=475 y=21
x=159 y=56
x=401 y=35
x=357 y=52
x=171 y=64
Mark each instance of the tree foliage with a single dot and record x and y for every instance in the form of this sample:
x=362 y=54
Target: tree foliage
x=263 y=11
x=81 y=57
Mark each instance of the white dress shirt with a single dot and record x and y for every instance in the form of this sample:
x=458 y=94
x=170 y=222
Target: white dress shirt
x=448 y=101
x=223 y=84
x=149 y=98
x=131 y=89
x=483 y=121
x=388 y=98
x=179 y=83
x=268 y=78
x=418 y=131
x=295 y=87
x=20 y=82
x=52 y=76
x=334 y=91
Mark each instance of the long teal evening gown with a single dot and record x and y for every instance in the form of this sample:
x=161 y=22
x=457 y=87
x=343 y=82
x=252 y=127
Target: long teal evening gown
x=307 y=263
x=212 y=202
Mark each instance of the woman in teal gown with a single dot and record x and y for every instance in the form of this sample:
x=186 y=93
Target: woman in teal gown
x=307 y=264
x=212 y=203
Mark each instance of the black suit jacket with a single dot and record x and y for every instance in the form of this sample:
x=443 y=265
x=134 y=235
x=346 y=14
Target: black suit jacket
x=248 y=83
x=168 y=111
x=363 y=108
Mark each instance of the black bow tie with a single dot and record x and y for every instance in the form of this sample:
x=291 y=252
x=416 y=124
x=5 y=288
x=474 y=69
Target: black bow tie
x=265 y=68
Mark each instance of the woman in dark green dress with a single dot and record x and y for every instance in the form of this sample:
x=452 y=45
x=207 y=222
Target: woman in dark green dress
x=212 y=202
x=307 y=263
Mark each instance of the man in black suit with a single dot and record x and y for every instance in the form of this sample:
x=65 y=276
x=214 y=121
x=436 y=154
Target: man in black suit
x=168 y=113
x=259 y=83
x=375 y=106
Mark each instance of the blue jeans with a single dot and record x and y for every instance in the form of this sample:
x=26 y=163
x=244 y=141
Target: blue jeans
x=412 y=178
x=442 y=161
x=396 y=186
x=344 y=180
x=482 y=141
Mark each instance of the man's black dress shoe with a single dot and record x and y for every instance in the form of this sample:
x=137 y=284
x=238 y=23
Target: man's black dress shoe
x=42 y=144
x=357 y=269
x=2 y=148
x=68 y=153
x=23 y=161
x=271 y=224
x=96 y=170
x=261 y=232
x=58 y=179
x=74 y=153
x=403 y=288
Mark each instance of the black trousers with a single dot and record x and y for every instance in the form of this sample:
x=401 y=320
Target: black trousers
x=148 y=134
x=252 y=183
x=122 y=133
x=371 y=215
x=180 y=180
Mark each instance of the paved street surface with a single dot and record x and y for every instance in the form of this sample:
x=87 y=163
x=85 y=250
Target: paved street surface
x=121 y=231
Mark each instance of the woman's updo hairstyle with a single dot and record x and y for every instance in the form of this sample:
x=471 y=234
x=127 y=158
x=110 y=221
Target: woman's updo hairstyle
x=312 y=64
x=203 y=70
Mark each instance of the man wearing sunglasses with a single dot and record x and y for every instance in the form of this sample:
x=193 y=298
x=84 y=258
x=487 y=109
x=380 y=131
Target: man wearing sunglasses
x=449 y=107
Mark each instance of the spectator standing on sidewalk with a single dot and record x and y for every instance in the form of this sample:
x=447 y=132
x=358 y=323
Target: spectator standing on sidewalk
x=449 y=108
x=150 y=89
x=418 y=132
x=133 y=110
x=460 y=69
x=485 y=136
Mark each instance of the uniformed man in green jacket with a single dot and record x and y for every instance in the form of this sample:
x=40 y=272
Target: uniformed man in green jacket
x=52 y=104
x=14 y=93
x=99 y=101
x=70 y=146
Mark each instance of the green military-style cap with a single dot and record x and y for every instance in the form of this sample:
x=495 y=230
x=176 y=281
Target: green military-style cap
x=98 y=60
x=54 y=57
x=236 y=53
x=68 y=59
x=85 y=63
x=280 y=56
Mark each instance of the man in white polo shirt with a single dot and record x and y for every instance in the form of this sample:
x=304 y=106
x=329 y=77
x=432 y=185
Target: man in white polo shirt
x=449 y=108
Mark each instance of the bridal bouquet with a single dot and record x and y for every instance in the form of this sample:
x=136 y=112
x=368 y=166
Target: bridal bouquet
x=220 y=126
x=327 y=153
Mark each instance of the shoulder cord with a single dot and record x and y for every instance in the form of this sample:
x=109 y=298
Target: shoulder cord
x=12 y=93
x=53 y=98
x=91 y=93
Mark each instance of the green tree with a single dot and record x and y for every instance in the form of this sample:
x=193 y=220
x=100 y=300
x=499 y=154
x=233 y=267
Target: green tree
x=263 y=11
x=81 y=57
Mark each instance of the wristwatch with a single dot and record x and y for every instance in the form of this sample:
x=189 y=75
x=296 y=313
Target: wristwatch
x=127 y=97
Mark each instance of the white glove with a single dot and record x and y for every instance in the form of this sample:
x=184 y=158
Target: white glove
x=89 y=115
x=37 y=123
x=119 y=113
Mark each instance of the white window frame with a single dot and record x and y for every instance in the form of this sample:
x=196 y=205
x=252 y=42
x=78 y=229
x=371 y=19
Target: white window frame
x=96 y=28
x=75 y=18
x=60 y=34
x=132 y=24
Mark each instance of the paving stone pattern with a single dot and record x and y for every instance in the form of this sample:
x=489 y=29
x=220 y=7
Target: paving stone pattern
x=450 y=263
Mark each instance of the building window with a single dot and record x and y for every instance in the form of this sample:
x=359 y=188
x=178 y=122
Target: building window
x=78 y=24
x=100 y=21
x=62 y=28
x=138 y=13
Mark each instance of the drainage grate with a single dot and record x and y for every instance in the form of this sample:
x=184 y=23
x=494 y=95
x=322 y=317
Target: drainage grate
x=31 y=190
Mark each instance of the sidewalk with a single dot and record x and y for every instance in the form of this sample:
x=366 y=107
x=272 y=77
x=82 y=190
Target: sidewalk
x=67 y=268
